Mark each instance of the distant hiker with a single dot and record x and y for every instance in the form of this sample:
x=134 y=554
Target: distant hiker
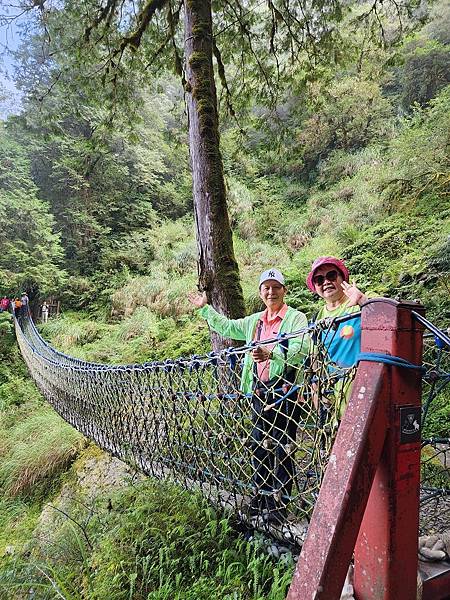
x=4 y=304
x=264 y=372
x=17 y=307
x=44 y=312
x=25 y=304
x=329 y=278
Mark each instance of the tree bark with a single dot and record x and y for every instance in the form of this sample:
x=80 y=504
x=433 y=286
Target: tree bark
x=218 y=269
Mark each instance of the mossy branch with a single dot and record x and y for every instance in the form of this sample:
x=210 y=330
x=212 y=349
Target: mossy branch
x=173 y=19
x=105 y=14
x=246 y=32
x=144 y=18
x=223 y=79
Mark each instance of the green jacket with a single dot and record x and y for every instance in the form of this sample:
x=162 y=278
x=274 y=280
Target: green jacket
x=244 y=329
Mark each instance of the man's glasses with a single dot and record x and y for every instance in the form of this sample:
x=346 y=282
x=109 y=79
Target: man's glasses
x=330 y=276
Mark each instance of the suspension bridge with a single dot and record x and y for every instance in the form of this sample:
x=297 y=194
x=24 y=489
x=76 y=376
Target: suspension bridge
x=263 y=456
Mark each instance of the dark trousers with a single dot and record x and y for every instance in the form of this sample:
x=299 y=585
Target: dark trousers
x=273 y=442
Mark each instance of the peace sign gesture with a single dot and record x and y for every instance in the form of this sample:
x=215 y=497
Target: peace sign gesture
x=354 y=295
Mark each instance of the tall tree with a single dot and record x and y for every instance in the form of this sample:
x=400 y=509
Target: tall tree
x=30 y=250
x=102 y=184
x=218 y=268
x=263 y=43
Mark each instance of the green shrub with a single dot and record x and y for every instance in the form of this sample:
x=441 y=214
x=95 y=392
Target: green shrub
x=35 y=451
x=7 y=338
x=184 y=337
x=17 y=391
x=425 y=71
x=437 y=421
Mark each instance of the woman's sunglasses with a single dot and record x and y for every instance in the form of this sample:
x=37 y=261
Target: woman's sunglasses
x=330 y=276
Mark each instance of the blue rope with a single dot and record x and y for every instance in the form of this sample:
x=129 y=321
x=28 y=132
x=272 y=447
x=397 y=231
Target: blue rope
x=387 y=359
x=292 y=389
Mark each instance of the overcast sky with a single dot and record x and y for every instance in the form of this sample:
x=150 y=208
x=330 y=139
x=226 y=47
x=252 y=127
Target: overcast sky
x=9 y=41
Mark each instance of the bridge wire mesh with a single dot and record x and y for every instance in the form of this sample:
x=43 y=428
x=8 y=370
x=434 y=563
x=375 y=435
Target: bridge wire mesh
x=263 y=454
x=435 y=463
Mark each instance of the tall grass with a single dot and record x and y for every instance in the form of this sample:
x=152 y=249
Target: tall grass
x=163 y=292
x=17 y=521
x=36 y=450
x=72 y=329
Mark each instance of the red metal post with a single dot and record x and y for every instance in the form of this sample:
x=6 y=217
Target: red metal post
x=387 y=327
x=386 y=550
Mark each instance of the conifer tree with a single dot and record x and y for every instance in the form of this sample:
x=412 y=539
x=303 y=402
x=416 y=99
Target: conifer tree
x=261 y=44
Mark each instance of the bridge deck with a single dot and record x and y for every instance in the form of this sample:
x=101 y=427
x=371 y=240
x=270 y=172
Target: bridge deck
x=436 y=580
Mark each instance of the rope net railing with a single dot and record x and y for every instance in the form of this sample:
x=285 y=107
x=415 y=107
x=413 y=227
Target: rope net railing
x=435 y=463
x=261 y=453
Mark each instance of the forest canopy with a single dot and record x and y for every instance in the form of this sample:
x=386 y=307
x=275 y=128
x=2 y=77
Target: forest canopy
x=308 y=138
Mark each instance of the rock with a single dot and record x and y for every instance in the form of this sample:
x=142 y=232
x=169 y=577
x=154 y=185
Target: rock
x=404 y=278
x=347 y=590
x=96 y=475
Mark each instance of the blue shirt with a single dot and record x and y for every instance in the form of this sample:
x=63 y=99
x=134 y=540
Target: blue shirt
x=344 y=343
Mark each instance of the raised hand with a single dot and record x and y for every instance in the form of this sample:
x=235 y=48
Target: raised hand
x=197 y=299
x=354 y=295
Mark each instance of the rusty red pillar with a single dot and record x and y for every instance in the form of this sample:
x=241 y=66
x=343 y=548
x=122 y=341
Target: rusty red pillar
x=377 y=443
x=386 y=549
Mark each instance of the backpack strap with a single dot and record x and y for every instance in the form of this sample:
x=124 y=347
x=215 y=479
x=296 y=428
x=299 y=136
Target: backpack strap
x=258 y=331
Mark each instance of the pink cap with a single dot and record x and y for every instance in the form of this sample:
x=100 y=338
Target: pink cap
x=326 y=260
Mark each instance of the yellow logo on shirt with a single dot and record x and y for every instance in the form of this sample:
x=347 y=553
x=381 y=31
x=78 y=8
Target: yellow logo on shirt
x=347 y=332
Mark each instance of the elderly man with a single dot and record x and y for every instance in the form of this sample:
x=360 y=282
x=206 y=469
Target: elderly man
x=329 y=278
x=265 y=369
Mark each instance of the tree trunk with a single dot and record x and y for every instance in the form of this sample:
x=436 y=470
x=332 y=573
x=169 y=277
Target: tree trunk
x=218 y=269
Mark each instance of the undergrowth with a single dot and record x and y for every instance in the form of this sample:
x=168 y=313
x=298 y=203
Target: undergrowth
x=150 y=541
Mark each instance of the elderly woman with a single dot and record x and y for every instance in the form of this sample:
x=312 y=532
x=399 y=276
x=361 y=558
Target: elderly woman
x=329 y=279
x=264 y=371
